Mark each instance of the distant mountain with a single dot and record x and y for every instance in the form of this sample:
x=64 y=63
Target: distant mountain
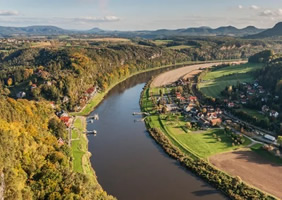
x=200 y=31
x=95 y=30
x=32 y=30
x=276 y=31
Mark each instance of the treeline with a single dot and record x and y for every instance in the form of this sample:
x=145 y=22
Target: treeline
x=35 y=165
x=233 y=187
x=261 y=57
x=59 y=73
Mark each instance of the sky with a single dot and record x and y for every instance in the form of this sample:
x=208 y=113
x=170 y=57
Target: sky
x=140 y=14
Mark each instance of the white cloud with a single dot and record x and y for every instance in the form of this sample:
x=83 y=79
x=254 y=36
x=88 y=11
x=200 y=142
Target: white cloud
x=97 y=19
x=240 y=7
x=271 y=13
x=8 y=12
x=254 y=7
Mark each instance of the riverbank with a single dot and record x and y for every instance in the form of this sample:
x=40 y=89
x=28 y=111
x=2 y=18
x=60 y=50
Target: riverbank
x=81 y=156
x=233 y=187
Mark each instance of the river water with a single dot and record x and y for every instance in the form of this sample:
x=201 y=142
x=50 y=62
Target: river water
x=128 y=162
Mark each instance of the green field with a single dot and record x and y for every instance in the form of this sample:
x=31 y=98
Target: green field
x=203 y=143
x=216 y=81
x=199 y=143
x=79 y=148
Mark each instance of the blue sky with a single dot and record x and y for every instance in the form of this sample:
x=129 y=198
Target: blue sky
x=140 y=14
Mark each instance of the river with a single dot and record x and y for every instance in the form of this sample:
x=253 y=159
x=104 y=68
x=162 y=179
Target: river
x=128 y=162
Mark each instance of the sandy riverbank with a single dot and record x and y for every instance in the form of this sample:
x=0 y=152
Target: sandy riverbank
x=173 y=75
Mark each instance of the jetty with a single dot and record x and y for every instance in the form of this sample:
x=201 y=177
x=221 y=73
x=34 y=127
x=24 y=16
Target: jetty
x=141 y=113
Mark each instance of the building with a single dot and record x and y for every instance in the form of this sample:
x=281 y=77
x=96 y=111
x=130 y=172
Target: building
x=67 y=121
x=21 y=95
x=216 y=121
x=274 y=114
x=33 y=86
x=230 y=105
x=193 y=99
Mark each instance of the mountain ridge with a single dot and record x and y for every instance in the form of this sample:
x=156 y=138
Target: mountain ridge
x=47 y=30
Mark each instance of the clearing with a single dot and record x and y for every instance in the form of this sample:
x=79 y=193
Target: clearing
x=252 y=168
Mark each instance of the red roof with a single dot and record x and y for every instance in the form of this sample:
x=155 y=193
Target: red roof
x=90 y=90
x=65 y=119
x=193 y=98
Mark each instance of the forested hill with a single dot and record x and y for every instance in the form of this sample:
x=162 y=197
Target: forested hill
x=64 y=75
x=35 y=165
x=276 y=31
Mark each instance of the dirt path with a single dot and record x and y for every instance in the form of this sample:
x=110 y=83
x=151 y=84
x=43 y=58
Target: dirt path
x=173 y=75
x=252 y=168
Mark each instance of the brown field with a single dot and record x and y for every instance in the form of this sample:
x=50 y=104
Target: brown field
x=41 y=44
x=173 y=75
x=252 y=168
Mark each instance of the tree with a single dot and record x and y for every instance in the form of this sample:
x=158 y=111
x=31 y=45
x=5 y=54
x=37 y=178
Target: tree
x=161 y=93
x=188 y=125
x=279 y=140
x=9 y=81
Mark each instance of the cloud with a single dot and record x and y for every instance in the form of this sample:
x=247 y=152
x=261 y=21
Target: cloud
x=271 y=13
x=240 y=7
x=254 y=7
x=97 y=19
x=8 y=12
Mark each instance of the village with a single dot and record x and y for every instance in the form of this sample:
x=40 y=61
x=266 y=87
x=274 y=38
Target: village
x=178 y=98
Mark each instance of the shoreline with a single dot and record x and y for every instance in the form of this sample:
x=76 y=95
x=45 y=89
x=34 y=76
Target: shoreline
x=217 y=178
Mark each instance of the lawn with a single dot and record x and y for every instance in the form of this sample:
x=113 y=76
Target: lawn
x=79 y=148
x=216 y=81
x=203 y=143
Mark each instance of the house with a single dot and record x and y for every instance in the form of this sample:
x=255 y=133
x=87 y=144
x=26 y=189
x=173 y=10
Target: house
x=21 y=95
x=274 y=114
x=52 y=103
x=67 y=121
x=61 y=142
x=243 y=101
x=261 y=91
x=91 y=91
x=230 y=105
x=265 y=108
x=171 y=107
x=178 y=95
x=33 y=86
x=193 y=99
x=251 y=92
x=62 y=113
x=66 y=99
x=189 y=107
x=216 y=121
